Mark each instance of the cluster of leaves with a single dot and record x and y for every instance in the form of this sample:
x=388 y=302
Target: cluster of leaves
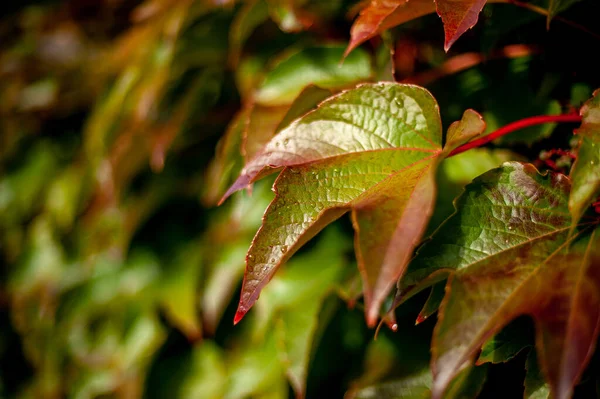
x=119 y=275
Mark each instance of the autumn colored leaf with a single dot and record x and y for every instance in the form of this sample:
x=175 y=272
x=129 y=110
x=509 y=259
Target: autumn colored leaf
x=508 y=252
x=585 y=173
x=381 y=15
x=458 y=16
x=372 y=151
x=296 y=83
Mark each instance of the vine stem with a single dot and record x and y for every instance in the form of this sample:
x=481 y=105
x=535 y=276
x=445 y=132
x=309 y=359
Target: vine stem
x=511 y=127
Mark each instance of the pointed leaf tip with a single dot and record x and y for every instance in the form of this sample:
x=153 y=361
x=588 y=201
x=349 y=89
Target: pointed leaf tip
x=458 y=17
x=239 y=315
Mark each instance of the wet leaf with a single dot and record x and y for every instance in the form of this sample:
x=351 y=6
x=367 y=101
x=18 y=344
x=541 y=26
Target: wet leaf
x=585 y=173
x=507 y=253
x=341 y=157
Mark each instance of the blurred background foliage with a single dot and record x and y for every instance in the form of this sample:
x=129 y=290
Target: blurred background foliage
x=122 y=122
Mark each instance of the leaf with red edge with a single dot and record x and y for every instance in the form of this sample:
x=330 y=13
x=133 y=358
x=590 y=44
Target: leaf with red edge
x=372 y=151
x=585 y=172
x=381 y=15
x=508 y=252
x=458 y=16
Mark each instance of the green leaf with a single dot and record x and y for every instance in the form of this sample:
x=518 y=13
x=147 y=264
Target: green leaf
x=418 y=386
x=507 y=254
x=585 y=173
x=294 y=300
x=470 y=126
x=535 y=386
x=179 y=291
x=252 y=14
x=319 y=65
x=433 y=302
x=507 y=344
x=372 y=150
x=557 y=6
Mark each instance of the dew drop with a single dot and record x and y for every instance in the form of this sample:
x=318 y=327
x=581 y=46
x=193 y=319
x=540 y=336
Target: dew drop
x=510 y=227
x=283 y=248
x=250 y=256
x=272 y=260
x=286 y=141
x=591 y=162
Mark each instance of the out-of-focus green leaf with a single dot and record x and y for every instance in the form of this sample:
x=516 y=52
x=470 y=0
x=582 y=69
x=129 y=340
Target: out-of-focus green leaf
x=507 y=344
x=535 y=386
x=294 y=299
x=467 y=384
x=207 y=375
x=557 y=6
x=180 y=286
x=319 y=65
x=252 y=14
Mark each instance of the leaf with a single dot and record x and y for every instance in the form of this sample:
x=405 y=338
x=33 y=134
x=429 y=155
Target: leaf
x=381 y=15
x=557 y=6
x=585 y=173
x=252 y=14
x=535 y=387
x=418 y=386
x=433 y=302
x=507 y=254
x=341 y=157
x=179 y=291
x=458 y=16
x=294 y=300
x=318 y=65
x=508 y=343
x=297 y=82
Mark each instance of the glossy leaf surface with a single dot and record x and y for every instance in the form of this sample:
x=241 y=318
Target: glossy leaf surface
x=507 y=252
x=371 y=150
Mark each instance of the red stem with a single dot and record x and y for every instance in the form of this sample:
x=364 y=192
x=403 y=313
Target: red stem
x=511 y=127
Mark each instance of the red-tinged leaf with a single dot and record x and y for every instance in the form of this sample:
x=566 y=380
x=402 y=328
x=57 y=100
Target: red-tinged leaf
x=341 y=157
x=372 y=150
x=458 y=16
x=585 y=173
x=381 y=15
x=507 y=252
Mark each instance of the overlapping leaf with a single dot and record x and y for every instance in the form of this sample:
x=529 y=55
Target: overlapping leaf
x=508 y=252
x=585 y=174
x=294 y=85
x=458 y=16
x=373 y=151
